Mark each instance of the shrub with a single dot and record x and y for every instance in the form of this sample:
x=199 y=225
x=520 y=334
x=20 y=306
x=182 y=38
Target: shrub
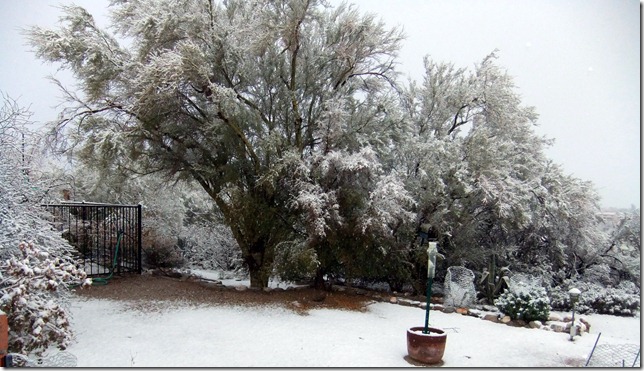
x=32 y=287
x=161 y=251
x=211 y=246
x=295 y=262
x=529 y=305
x=595 y=298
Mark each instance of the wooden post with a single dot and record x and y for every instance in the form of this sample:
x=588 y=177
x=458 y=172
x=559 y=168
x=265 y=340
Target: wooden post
x=4 y=338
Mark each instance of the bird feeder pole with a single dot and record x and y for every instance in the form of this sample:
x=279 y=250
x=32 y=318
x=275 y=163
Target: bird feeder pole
x=432 y=251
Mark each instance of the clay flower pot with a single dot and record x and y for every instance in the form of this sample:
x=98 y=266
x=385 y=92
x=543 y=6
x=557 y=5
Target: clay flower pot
x=426 y=348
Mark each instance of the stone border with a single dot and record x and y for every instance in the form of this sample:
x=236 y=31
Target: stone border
x=485 y=312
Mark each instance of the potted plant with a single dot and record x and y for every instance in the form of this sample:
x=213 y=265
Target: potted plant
x=427 y=344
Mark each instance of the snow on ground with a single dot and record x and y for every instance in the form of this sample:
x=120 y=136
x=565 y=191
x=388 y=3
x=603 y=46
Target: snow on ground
x=112 y=334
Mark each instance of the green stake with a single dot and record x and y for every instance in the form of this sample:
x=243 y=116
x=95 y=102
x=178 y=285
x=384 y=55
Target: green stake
x=432 y=251
x=429 y=297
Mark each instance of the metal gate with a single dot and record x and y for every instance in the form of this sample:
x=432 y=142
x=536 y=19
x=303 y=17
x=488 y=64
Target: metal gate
x=107 y=237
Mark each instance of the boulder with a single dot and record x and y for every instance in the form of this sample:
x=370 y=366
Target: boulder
x=490 y=308
x=554 y=317
x=448 y=309
x=506 y=319
x=393 y=300
x=535 y=324
x=558 y=326
x=463 y=311
x=583 y=320
x=491 y=317
x=475 y=313
x=406 y=302
x=517 y=323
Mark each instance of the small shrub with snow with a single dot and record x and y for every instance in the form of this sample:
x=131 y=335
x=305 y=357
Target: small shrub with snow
x=31 y=290
x=528 y=305
x=161 y=251
x=622 y=300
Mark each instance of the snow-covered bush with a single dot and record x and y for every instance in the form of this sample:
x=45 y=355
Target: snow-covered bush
x=596 y=298
x=211 y=246
x=31 y=288
x=160 y=251
x=529 y=305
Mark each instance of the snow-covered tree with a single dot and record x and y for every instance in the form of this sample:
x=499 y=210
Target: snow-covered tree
x=220 y=93
x=481 y=178
x=36 y=263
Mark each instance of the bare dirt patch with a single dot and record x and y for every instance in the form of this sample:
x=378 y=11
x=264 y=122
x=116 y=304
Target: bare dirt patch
x=141 y=290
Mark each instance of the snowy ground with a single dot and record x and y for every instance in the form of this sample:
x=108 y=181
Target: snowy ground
x=111 y=334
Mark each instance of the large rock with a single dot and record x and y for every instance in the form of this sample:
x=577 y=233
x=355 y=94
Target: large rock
x=462 y=311
x=518 y=323
x=557 y=326
x=553 y=317
x=583 y=320
x=506 y=319
x=491 y=317
x=448 y=309
x=393 y=300
x=535 y=324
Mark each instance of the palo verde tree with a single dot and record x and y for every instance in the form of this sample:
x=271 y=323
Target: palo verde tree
x=481 y=179
x=226 y=94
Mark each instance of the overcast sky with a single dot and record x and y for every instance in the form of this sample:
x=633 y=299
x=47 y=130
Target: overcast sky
x=576 y=61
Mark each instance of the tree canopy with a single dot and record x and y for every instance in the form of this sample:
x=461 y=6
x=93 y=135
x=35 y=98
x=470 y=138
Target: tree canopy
x=292 y=117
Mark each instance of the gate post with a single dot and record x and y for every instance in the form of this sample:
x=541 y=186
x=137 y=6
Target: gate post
x=139 y=209
x=4 y=338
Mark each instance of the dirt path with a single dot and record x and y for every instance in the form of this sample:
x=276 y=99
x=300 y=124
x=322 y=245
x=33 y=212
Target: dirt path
x=148 y=288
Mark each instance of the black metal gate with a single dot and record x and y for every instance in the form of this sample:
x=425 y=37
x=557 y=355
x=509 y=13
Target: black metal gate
x=107 y=237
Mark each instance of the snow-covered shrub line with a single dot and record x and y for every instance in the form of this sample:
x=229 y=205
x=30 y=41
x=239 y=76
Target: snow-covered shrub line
x=595 y=298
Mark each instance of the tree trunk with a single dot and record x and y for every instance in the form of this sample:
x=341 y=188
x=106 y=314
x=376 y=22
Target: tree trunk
x=258 y=278
x=319 y=282
x=259 y=260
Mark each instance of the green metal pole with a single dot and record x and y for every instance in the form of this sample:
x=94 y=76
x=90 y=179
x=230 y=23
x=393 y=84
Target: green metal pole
x=430 y=280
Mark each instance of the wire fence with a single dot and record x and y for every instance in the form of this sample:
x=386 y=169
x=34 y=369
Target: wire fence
x=615 y=355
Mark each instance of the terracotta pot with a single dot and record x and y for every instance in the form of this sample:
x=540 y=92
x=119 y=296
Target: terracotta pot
x=426 y=348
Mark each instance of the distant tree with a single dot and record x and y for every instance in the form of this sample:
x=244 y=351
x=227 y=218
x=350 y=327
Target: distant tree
x=224 y=94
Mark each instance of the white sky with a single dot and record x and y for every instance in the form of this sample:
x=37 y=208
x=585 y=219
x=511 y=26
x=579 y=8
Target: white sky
x=576 y=61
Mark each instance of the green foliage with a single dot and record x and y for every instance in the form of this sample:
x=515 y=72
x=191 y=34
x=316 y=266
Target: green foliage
x=528 y=305
x=295 y=261
x=493 y=280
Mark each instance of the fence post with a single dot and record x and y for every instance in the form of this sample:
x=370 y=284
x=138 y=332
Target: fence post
x=4 y=338
x=140 y=236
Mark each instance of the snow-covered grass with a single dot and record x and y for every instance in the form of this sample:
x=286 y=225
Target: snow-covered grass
x=112 y=334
